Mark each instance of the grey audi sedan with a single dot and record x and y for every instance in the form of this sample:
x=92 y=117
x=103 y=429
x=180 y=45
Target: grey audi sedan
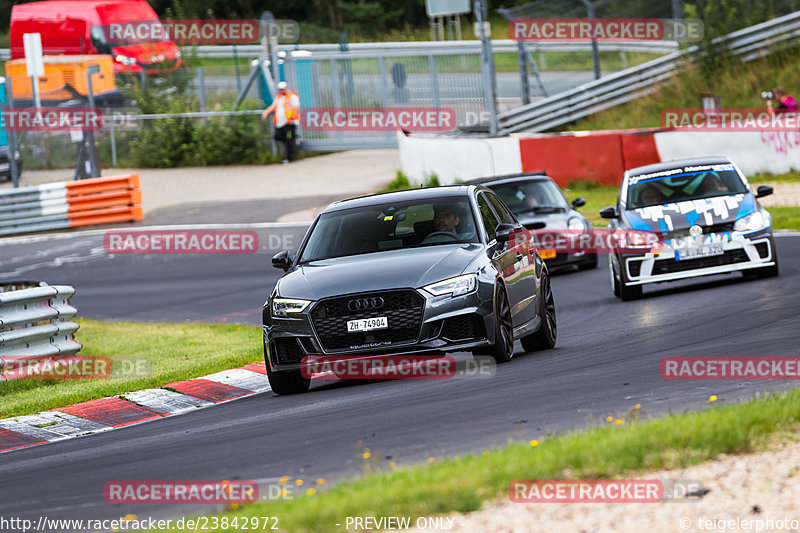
x=425 y=271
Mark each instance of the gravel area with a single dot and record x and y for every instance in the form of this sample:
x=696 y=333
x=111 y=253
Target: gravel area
x=761 y=486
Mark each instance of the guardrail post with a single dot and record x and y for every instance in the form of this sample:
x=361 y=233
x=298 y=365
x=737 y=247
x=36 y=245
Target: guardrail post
x=12 y=138
x=487 y=67
x=595 y=54
x=434 y=80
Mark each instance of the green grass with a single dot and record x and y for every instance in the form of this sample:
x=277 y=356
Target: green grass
x=785 y=217
x=738 y=85
x=462 y=484
x=173 y=352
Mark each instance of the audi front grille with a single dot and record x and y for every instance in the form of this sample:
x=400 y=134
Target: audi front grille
x=402 y=309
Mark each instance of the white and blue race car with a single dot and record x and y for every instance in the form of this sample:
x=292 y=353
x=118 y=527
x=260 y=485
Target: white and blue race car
x=704 y=213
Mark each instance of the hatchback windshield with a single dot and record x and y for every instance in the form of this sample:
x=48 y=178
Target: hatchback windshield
x=531 y=196
x=683 y=184
x=390 y=226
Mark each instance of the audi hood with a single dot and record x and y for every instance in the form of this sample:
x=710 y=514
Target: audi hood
x=409 y=267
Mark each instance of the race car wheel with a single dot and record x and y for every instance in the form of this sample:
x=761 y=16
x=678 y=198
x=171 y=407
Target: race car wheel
x=503 y=349
x=590 y=263
x=763 y=272
x=545 y=337
x=287 y=382
x=628 y=292
x=614 y=279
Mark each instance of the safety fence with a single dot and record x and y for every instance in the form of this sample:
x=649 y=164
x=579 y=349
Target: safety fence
x=70 y=204
x=36 y=319
x=747 y=44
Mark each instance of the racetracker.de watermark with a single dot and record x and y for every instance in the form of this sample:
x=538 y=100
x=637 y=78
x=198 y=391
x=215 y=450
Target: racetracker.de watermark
x=729 y=368
x=190 y=31
x=595 y=240
x=604 y=491
x=609 y=30
x=419 y=119
x=181 y=242
x=703 y=120
x=73 y=367
x=52 y=118
x=180 y=492
x=396 y=367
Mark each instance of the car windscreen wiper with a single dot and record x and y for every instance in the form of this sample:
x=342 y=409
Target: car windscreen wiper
x=544 y=209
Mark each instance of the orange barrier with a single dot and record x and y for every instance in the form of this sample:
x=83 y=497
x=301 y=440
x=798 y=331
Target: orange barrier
x=599 y=157
x=104 y=200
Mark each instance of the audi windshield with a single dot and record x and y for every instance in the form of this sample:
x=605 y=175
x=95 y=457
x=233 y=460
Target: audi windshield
x=390 y=226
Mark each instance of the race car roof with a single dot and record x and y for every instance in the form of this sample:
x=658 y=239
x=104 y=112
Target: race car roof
x=678 y=163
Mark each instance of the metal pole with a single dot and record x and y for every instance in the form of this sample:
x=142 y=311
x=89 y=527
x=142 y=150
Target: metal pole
x=113 y=143
x=236 y=68
x=93 y=156
x=37 y=101
x=201 y=81
x=487 y=66
x=523 y=64
x=434 y=80
x=595 y=54
x=12 y=138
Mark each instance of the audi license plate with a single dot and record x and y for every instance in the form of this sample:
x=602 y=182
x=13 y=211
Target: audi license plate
x=367 y=324
x=703 y=251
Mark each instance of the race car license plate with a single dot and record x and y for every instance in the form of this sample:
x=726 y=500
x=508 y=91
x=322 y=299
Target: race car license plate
x=702 y=251
x=367 y=324
x=550 y=253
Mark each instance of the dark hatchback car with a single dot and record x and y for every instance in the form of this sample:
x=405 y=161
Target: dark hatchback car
x=704 y=212
x=425 y=271
x=539 y=204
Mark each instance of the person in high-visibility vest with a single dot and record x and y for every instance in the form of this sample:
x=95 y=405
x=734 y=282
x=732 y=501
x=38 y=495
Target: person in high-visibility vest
x=286 y=117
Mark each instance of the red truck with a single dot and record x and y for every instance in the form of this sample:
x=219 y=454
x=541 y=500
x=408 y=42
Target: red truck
x=79 y=27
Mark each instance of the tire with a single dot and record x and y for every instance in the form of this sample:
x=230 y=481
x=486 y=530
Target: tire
x=589 y=264
x=614 y=280
x=287 y=382
x=622 y=289
x=545 y=337
x=761 y=273
x=503 y=348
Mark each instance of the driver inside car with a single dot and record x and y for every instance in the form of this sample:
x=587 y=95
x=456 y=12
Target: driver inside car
x=445 y=220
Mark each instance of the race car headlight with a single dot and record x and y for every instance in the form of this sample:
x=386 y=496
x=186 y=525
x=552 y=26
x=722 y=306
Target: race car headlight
x=752 y=222
x=287 y=306
x=125 y=60
x=576 y=224
x=454 y=286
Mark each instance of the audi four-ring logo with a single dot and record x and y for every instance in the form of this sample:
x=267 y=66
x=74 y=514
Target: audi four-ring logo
x=362 y=304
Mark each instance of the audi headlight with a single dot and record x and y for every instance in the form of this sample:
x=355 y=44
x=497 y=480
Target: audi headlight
x=287 y=306
x=576 y=224
x=454 y=286
x=752 y=222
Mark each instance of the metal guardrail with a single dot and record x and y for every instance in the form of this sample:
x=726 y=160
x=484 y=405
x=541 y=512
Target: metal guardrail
x=430 y=47
x=37 y=320
x=419 y=47
x=584 y=100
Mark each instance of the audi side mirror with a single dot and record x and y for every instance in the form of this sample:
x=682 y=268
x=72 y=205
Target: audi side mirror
x=609 y=212
x=504 y=231
x=763 y=190
x=282 y=260
x=578 y=202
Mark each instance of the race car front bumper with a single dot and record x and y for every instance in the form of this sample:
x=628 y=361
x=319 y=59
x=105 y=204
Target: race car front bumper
x=740 y=252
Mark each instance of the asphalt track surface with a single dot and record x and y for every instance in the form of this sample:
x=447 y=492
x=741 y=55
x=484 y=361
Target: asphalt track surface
x=606 y=361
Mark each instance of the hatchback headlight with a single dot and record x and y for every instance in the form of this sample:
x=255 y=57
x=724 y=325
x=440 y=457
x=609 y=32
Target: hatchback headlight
x=287 y=306
x=752 y=222
x=576 y=224
x=125 y=60
x=454 y=286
